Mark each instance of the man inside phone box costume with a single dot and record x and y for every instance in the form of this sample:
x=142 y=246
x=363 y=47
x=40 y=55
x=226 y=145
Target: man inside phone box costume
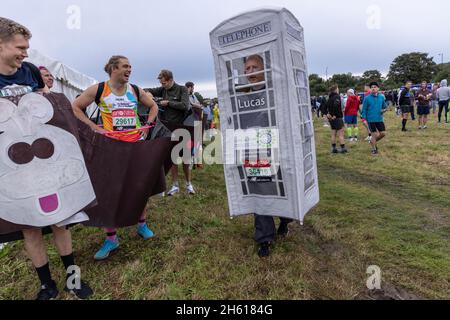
x=270 y=158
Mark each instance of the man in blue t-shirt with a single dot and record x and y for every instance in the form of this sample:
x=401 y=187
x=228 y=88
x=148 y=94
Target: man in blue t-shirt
x=16 y=79
x=374 y=107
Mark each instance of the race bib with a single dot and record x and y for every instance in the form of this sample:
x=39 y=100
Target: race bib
x=259 y=172
x=124 y=119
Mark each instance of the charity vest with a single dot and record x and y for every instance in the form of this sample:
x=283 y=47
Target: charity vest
x=120 y=113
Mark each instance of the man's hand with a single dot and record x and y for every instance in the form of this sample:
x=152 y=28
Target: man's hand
x=99 y=130
x=145 y=133
x=164 y=103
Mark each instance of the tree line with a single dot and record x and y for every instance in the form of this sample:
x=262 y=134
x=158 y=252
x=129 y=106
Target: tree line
x=415 y=66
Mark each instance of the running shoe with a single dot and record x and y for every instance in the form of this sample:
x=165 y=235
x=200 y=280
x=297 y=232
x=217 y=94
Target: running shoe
x=173 y=191
x=190 y=188
x=82 y=293
x=107 y=247
x=264 y=250
x=145 y=232
x=48 y=291
x=283 y=230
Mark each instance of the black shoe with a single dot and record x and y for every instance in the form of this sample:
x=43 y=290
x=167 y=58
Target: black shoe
x=334 y=151
x=375 y=152
x=344 y=151
x=264 y=250
x=405 y=130
x=48 y=291
x=83 y=293
x=283 y=230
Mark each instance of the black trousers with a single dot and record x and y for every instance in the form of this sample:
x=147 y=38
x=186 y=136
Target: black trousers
x=443 y=105
x=265 y=230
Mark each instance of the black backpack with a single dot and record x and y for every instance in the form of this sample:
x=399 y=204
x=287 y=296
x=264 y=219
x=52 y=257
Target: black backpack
x=101 y=87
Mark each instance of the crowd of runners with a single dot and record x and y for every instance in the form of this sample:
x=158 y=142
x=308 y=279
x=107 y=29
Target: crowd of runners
x=342 y=111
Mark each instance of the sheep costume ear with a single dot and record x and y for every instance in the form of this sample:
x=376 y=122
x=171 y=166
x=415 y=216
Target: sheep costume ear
x=32 y=109
x=7 y=110
x=40 y=109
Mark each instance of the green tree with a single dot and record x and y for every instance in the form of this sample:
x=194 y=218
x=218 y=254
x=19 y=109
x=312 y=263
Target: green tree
x=390 y=84
x=344 y=81
x=317 y=85
x=443 y=72
x=415 y=66
x=199 y=97
x=371 y=75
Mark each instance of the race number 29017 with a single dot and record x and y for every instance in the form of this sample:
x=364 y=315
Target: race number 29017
x=246 y=310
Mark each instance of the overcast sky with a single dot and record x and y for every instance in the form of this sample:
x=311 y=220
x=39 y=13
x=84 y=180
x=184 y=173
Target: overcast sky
x=345 y=36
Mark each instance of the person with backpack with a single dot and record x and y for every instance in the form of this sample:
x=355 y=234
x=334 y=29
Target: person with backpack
x=118 y=102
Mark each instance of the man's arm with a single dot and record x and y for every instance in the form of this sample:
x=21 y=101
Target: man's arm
x=196 y=104
x=364 y=109
x=399 y=97
x=156 y=92
x=82 y=102
x=147 y=101
x=325 y=110
x=347 y=104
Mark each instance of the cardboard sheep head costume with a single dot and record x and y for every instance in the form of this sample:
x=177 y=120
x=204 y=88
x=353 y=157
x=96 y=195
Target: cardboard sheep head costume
x=43 y=177
x=266 y=120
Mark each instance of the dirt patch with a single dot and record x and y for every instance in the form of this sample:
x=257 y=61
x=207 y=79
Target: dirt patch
x=388 y=292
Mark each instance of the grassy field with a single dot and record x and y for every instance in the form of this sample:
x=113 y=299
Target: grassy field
x=392 y=211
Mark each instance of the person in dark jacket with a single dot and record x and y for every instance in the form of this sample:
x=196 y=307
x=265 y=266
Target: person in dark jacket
x=333 y=111
x=406 y=101
x=175 y=105
x=175 y=101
